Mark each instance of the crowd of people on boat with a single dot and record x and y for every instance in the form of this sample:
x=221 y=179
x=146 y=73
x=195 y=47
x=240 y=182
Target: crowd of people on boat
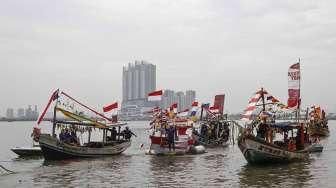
x=213 y=131
x=69 y=135
x=318 y=117
x=266 y=132
x=126 y=134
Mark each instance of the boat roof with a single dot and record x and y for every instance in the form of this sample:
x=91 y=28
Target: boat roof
x=91 y=124
x=285 y=125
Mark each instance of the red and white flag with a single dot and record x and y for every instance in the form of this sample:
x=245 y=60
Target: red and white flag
x=155 y=96
x=110 y=107
x=251 y=107
x=294 y=86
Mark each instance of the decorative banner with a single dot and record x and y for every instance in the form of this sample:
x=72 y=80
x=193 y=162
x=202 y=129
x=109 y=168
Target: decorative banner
x=294 y=86
x=155 y=96
x=219 y=103
x=251 y=107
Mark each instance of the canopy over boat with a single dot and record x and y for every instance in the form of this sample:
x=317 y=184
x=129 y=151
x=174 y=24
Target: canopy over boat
x=284 y=125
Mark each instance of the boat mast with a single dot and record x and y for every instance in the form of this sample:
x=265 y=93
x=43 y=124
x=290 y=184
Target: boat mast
x=263 y=99
x=54 y=120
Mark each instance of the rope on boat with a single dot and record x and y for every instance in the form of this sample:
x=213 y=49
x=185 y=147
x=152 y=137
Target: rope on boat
x=8 y=171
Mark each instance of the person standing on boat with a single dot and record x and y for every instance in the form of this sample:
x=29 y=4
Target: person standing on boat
x=128 y=133
x=171 y=137
x=114 y=134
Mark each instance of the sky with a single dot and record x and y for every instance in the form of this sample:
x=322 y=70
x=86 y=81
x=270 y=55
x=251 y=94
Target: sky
x=211 y=46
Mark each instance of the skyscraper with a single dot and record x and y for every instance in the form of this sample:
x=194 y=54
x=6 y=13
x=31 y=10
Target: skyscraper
x=138 y=80
x=168 y=98
x=180 y=99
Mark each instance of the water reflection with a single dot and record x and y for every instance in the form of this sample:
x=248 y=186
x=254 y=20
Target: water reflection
x=83 y=172
x=170 y=170
x=293 y=175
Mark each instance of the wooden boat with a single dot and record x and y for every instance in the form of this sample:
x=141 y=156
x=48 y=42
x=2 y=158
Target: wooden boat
x=28 y=151
x=214 y=129
x=260 y=148
x=318 y=128
x=258 y=151
x=67 y=145
x=183 y=138
x=318 y=123
x=54 y=149
x=213 y=133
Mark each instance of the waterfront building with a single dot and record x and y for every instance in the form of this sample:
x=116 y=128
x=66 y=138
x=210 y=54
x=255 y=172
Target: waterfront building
x=138 y=80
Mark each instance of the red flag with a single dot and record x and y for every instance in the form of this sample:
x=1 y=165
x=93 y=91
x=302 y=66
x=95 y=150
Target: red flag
x=219 y=103
x=195 y=103
x=155 y=96
x=110 y=107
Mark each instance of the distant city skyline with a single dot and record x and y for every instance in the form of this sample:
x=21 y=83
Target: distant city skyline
x=183 y=99
x=29 y=113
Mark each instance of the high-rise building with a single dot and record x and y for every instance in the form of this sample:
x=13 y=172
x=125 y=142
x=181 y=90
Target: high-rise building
x=180 y=99
x=168 y=98
x=183 y=100
x=190 y=97
x=138 y=80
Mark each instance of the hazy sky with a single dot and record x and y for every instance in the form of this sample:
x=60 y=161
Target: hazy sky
x=223 y=46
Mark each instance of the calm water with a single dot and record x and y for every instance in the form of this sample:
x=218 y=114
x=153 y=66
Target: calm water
x=217 y=168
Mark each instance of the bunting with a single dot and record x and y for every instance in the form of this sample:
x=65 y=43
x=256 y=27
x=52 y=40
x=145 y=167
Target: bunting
x=251 y=107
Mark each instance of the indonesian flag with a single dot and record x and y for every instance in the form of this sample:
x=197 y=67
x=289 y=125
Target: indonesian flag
x=294 y=86
x=110 y=107
x=155 y=96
